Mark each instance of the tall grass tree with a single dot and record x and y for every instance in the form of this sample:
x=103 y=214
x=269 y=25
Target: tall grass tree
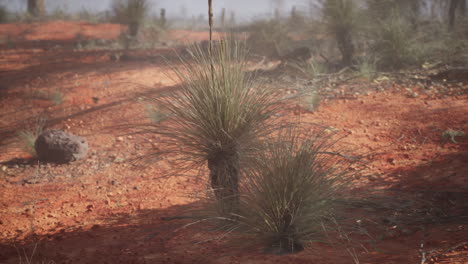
x=130 y=13
x=217 y=117
x=341 y=18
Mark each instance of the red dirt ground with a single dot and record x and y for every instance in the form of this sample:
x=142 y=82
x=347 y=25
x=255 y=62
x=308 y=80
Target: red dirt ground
x=104 y=210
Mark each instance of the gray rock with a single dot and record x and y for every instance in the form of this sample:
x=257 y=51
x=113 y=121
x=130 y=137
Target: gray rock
x=58 y=146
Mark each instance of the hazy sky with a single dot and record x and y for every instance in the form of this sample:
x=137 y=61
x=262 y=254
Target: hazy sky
x=245 y=9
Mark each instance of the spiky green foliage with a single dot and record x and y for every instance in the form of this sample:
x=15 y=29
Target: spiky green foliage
x=217 y=116
x=367 y=67
x=395 y=43
x=130 y=13
x=289 y=195
x=28 y=137
x=382 y=9
x=341 y=17
x=310 y=69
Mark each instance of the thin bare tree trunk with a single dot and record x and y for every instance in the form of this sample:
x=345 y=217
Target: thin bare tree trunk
x=452 y=13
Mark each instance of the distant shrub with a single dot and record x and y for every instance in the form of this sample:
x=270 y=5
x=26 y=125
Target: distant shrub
x=130 y=13
x=341 y=18
x=28 y=137
x=3 y=15
x=59 y=14
x=269 y=38
x=396 y=44
x=86 y=15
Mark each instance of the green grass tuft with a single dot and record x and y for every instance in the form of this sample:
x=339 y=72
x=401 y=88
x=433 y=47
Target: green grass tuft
x=28 y=137
x=288 y=196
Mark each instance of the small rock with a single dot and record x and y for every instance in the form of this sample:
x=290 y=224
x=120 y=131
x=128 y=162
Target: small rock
x=120 y=139
x=90 y=208
x=60 y=147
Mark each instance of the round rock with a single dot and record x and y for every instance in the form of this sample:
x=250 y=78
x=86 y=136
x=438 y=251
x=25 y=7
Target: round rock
x=58 y=146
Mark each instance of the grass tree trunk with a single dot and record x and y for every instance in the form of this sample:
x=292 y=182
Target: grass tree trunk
x=452 y=13
x=224 y=178
x=224 y=165
x=163 y=20
x=36 y=7
x=346 y=46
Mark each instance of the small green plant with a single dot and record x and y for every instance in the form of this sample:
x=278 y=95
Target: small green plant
x=289 y=193
x=86 y=15
x=28 y=137
x=450 y=134
x=309 y=101
x=154 y=114
x=367 y=68
x=57 y=97
x=153 y=32
x=310 y=69
x=59 y=14
x=396 y=44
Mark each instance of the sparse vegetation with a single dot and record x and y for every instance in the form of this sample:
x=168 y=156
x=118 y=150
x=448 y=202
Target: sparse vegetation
x=310 y=69
x=289 y=194
x=241 y=133
x=55 y=97
x=28 y=137
x=367 y=67
x=396 y=44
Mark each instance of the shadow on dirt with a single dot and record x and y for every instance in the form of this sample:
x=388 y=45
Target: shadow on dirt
x=139 y=237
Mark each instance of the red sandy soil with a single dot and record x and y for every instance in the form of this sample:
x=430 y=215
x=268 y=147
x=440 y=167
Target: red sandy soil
x=104 y=210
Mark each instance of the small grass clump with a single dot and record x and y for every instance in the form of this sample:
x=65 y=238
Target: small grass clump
x=289 y=195
x=310 y=69
x=28 y=137
x=396 y=44
x=367 y=68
